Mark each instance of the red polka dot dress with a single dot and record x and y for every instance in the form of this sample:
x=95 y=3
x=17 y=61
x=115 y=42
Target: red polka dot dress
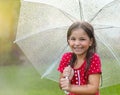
x=79 y=77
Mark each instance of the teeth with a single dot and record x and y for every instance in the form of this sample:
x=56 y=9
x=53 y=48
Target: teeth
x=78 y=48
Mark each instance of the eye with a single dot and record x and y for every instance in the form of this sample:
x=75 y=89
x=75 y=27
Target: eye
x=82 y=39
x=72 y=38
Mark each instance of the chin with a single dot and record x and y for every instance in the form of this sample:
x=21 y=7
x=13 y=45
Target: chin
x=79 y=53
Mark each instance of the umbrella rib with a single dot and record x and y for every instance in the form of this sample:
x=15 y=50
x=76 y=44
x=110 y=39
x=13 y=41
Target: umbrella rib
x=81 y=11
x=66 y=15
x=53 y=65
x=100 y=11
x=109 y=48
x=37 y=33
x=107 y=27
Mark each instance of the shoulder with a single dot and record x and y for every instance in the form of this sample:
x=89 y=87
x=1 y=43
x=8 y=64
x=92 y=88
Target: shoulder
x=95 y=60
x=95 y=56
x=64 y=61
x=66 y=57
x=67 y=54
x=95 y=66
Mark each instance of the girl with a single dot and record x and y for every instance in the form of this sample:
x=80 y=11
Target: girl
x=82 y=66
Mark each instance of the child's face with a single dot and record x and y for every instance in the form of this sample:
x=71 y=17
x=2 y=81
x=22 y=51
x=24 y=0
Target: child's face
x=79 y=42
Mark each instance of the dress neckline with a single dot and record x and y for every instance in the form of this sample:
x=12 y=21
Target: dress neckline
x=80 y=66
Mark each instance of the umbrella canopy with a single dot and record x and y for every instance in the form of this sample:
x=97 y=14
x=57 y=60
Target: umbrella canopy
x=42 y=30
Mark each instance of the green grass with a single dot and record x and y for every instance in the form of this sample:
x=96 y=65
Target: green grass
x=24 y=80
x=113 y=90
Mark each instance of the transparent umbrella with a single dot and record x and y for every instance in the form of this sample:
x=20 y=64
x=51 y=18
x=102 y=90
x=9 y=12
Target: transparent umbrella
x=42 y=27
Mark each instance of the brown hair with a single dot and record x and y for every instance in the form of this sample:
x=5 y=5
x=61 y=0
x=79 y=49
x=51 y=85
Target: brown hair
x=90 y=32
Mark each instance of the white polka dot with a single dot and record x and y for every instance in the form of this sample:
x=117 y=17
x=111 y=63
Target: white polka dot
x=75 y=71
x=76 y=82
x=76 y=78
x=75 y=74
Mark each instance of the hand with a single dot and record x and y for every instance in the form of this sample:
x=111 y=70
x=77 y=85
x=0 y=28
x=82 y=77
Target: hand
x=65 y=84
x=68 y=72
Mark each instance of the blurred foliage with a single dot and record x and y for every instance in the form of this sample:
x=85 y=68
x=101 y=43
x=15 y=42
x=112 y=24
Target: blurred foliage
x=9 y=14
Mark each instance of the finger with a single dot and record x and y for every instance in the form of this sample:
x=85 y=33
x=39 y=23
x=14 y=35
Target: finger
x=66 y=73
x=64 y=84
x=64 y=81
x=67 y=69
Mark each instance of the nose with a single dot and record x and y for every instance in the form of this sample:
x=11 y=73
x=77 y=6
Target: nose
x=77 y=42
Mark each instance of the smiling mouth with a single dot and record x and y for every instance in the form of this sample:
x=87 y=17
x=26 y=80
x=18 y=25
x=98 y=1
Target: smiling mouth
x=78 y=48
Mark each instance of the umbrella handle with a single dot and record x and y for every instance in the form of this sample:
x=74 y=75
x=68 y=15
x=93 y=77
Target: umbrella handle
x=66 y=92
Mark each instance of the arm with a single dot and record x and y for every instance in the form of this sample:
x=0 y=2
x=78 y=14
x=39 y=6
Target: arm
x=90 y=89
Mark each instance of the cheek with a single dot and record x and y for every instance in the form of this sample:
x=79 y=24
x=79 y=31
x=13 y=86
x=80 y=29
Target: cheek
x=87 y=44
x=70 y=43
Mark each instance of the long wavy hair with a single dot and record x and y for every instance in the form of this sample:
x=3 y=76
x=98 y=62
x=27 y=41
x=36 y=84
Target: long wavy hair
x=91 y=50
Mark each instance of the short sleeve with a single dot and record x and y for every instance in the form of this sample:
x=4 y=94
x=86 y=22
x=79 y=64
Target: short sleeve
x=64 y=61
x=95 y=66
